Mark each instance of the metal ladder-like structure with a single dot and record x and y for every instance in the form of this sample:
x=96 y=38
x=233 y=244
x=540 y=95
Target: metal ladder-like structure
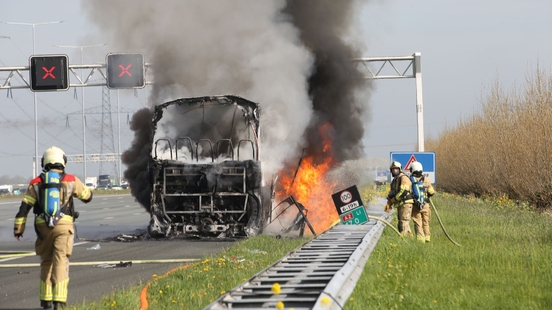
x=320 y=274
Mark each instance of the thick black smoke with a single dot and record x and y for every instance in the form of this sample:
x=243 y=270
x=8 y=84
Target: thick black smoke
x=335 y=81
x=137 y=156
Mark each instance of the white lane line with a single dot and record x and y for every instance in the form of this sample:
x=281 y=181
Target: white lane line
x=12 y=258
x=108 y=218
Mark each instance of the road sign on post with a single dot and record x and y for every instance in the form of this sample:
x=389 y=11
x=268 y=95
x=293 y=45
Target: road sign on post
x=125 y=70
x=350 y=207
x=49 y=72
x=427 y=159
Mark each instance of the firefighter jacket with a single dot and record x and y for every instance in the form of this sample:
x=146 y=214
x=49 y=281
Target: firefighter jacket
x=70 y=186
x=401 y=186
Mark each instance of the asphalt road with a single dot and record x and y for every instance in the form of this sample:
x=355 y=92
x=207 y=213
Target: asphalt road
x=100 y=221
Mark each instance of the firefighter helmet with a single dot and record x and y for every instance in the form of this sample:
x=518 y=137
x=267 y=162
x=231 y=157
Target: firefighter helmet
x=54 y=156
x=395 y=165
x=416 y=168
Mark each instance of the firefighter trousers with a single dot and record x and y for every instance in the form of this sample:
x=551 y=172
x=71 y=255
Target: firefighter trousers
x=404 y=213
x=421 y=218
x=54 y=245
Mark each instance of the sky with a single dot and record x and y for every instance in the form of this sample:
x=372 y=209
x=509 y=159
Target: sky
x=465 y=46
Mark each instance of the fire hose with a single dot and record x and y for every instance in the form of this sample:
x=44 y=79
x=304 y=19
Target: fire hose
x=386 y=223
x=441 y=223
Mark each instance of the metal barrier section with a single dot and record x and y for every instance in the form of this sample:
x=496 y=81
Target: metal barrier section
x=320 y=274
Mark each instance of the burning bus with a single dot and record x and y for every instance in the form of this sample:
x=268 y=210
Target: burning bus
x=208 y=181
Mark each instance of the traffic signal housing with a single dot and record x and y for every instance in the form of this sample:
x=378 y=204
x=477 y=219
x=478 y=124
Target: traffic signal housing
x=125 y=71
x=49 y=72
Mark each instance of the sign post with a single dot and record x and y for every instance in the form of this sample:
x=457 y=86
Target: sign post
x=350 y=207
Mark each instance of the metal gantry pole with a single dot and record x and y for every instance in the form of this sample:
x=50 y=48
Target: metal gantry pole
x=35 y=162
x=35 y=105
x=415 y=64
x=119 y=140
x=419 y=100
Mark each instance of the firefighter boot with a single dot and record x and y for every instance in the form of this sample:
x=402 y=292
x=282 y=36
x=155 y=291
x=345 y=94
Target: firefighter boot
x=46 y=304
x=59 y=305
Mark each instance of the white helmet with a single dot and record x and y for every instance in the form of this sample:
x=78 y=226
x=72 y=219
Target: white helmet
x=416 y=168
x=52 y=156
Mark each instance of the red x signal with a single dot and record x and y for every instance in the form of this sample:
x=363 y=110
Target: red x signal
x=48 y=73
x=124 y=70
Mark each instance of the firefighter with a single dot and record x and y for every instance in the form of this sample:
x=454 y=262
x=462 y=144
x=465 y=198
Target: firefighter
x=421 y=212
x=50 y=196
x=400 y=196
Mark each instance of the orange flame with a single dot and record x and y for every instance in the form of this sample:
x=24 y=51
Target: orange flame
x=310 y=187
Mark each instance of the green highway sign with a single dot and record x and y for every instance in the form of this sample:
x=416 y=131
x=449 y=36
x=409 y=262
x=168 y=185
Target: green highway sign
x=356 y=216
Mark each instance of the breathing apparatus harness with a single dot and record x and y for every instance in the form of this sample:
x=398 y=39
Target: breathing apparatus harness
x=48 y=206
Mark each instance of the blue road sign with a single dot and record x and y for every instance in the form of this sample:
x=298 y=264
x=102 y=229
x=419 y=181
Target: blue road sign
x=427 y=159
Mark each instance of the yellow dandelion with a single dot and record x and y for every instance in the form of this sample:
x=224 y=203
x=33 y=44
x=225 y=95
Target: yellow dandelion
x=326 y=300
x=280 y=305
x=173 y=301
x=435 y=301
x=160 y=291
x=222 y=292
x=154 y=275
x=351 y=298
x=276 y=289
